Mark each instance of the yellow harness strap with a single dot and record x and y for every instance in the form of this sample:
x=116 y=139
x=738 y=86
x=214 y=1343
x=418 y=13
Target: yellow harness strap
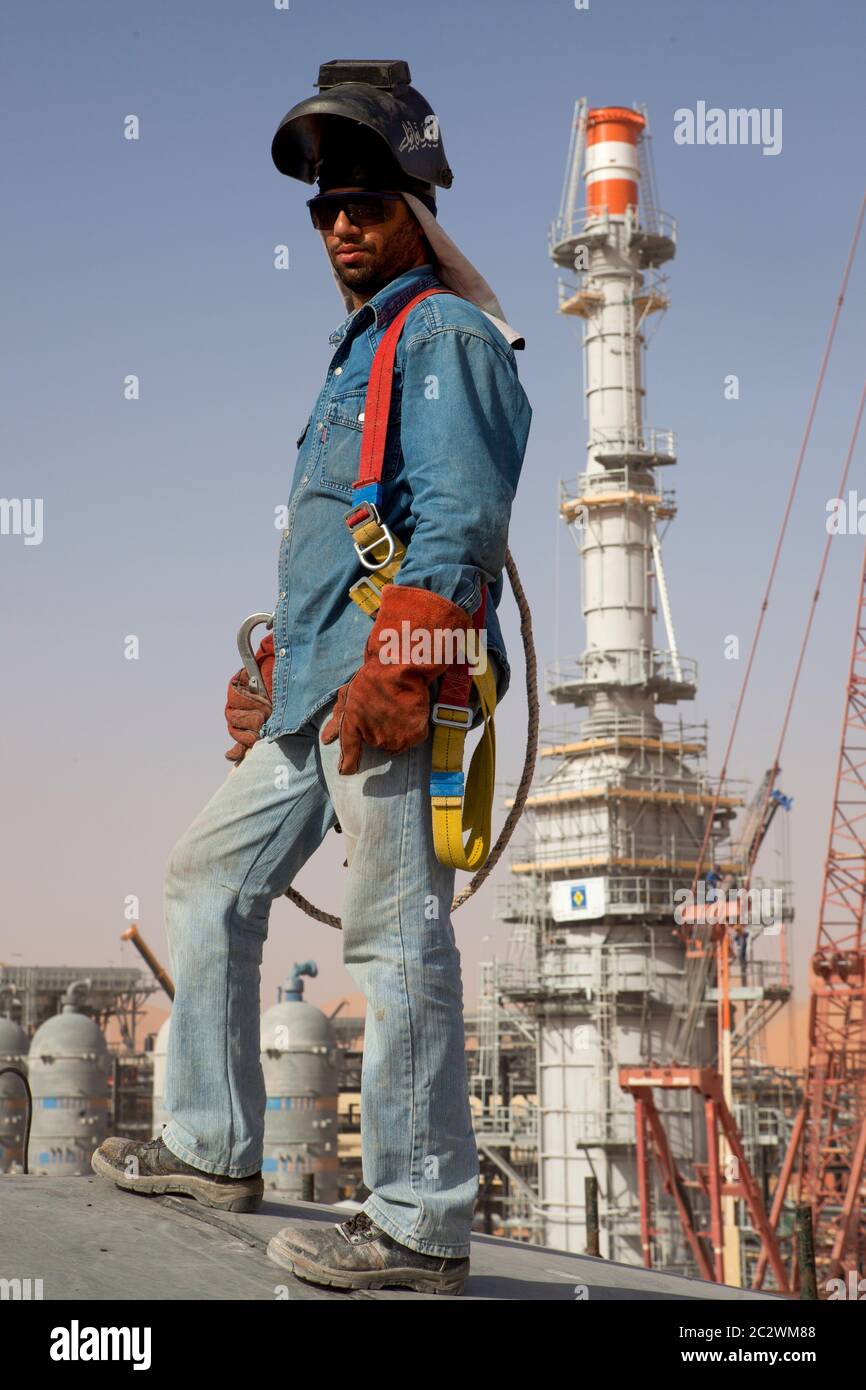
x=374 y=539
x=456 y=814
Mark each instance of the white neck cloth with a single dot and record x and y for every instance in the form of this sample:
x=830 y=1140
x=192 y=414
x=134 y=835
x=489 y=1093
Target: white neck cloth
x=454 y=270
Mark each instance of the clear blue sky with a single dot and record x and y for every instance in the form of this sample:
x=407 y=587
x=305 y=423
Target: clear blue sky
x=156 y=258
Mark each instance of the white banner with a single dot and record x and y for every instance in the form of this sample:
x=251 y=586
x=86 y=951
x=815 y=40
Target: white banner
x=578 y=899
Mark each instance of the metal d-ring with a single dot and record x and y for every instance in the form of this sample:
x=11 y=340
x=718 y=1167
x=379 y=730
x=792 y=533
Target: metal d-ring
x=362 y=550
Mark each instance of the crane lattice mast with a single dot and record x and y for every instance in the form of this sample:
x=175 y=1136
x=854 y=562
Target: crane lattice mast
x=833 y=1142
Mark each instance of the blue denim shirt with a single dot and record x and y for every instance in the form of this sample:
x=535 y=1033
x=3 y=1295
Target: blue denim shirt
x=456 y=439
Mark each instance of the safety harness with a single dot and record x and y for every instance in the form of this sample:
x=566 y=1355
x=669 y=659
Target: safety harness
x=458 y=809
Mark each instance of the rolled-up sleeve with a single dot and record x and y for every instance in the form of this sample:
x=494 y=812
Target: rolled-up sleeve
x=464 y=424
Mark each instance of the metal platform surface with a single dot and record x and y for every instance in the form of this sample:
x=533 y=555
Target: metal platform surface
x=87 y=1240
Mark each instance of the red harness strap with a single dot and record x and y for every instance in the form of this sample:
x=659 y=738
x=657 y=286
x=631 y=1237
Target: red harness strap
x=377 y=405
x=456 y=683
x=455 y=686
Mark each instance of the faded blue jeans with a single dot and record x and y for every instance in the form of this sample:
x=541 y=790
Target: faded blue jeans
x=243 y=850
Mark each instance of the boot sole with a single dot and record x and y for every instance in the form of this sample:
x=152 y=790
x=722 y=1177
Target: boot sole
x=209 y=1194
x=364 y=1279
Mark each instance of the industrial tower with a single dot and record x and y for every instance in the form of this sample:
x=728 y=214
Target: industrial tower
x=616 y=823
x=622 y=815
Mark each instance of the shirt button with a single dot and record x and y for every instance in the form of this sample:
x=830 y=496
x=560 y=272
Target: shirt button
x=285 y=533
x=283 y=594
x=282 y=651
x=319 y=425
x=338 y=371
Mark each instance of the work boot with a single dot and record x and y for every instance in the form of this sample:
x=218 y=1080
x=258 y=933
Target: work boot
x=358 y=1254
x=153 y=1170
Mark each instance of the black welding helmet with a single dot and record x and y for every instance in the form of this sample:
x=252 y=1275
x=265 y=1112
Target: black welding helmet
x=367 y=125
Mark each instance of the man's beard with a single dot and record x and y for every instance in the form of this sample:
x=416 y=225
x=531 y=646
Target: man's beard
x=373 y=275
x=361 y=277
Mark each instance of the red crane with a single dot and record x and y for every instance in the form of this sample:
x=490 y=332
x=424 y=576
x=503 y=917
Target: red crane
x=833 y=1140
x=828 y=1143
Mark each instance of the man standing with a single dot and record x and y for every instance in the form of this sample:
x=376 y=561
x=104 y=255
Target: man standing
x=344 y=735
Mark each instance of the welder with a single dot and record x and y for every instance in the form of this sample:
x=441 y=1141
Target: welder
x=402 y=494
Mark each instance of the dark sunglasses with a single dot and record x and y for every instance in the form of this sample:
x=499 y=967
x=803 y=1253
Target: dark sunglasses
x=362 y=209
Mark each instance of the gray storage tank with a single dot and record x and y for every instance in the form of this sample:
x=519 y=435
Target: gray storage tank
x=69 y=1067
x=161 y=1116
x=14 y=1046
x=299 y=1061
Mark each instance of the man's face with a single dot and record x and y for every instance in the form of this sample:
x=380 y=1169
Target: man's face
x=368 y=258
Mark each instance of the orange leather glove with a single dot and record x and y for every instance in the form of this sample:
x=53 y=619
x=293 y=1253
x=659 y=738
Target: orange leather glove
x=386 y=704
x=245 y=711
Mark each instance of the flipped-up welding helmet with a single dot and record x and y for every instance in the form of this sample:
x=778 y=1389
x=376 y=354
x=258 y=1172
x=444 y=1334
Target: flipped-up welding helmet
x=366 y=116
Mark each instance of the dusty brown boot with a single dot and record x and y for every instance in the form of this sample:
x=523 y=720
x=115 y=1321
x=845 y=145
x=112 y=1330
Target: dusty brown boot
x=358 y=1254
x=153 y=1170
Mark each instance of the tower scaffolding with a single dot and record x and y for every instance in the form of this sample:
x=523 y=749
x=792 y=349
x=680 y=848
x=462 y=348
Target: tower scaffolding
x=617 y=815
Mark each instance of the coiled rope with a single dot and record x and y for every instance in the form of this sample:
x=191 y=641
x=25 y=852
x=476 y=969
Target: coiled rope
x=525 y=778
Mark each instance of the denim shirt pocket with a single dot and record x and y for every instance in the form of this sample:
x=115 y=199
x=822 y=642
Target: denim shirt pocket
x=340 y=455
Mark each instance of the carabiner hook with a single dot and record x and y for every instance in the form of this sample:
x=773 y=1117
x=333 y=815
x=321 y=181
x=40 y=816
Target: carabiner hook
x=245 y=647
